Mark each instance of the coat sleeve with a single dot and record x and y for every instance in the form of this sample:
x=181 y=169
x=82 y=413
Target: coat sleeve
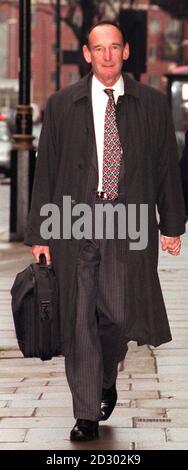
x=43 y=180
x=184 y=172
x=170 y=201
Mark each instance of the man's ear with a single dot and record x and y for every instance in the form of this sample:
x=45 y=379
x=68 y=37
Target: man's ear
x=126 y=51
x=86 y=54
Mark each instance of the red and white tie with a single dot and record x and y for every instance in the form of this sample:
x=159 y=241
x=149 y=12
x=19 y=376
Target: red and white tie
x=112 y=149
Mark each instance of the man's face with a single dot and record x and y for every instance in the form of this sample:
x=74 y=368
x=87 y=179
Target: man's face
x=106 y=53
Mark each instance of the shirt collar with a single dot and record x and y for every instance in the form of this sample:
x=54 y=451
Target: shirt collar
x=118 y=87
x=82 y=88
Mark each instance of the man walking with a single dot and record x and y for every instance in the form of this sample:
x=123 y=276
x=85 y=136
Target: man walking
x=107 y=139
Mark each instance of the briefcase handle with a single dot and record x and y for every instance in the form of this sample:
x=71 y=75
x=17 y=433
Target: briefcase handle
x=42 y=259
x=43 y=263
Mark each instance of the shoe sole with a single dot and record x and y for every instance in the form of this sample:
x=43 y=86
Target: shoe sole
x=83 y=439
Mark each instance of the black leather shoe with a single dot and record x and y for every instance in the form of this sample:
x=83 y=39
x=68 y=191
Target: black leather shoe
x=108 y=402
x=84 y=430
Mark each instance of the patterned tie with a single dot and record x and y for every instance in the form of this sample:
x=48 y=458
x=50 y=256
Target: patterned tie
x=112 y=149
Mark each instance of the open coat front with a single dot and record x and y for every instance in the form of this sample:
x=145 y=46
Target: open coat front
x=66 y=150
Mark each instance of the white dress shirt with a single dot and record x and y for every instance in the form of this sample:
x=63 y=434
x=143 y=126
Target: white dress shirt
x=99 y=103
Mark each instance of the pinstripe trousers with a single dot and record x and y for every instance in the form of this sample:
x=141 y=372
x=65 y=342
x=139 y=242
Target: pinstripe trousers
x=98 y=343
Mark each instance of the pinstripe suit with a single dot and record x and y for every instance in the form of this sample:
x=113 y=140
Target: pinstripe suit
x=98 y=343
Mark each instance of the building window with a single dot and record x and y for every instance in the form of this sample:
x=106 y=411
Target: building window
x=74 y=46
x=73 y=77
x=78 y=19
x=33 y=15
x=152 y=54
x=154 y=25
x=5 y=53
x=154 y=80
x=174 y=26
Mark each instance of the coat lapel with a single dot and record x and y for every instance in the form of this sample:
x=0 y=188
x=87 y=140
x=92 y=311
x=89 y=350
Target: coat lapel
x=91 y=135
x=83 y=93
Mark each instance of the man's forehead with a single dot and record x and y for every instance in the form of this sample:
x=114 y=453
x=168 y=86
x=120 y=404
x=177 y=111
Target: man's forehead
x=107 y=33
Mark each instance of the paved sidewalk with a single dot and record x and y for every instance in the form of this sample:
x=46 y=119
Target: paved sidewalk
x=152 y=407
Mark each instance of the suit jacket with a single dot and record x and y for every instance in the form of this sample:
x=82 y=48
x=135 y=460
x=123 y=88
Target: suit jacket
x=67 y=153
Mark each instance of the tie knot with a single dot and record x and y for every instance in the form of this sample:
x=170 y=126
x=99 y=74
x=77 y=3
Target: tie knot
x=110 y=93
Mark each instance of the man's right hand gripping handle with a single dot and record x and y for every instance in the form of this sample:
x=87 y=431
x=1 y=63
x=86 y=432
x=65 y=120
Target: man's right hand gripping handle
x=37 y=250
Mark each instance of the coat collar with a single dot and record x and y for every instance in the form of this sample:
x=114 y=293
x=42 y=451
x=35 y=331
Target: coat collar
x=82 y=88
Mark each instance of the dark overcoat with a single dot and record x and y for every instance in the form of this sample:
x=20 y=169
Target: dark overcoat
x=184 y=172
x=67 y=144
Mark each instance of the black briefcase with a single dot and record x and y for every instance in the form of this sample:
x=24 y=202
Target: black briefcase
x=36 y=311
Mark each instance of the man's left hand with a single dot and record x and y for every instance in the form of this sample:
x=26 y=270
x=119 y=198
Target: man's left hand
x=171 y=244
